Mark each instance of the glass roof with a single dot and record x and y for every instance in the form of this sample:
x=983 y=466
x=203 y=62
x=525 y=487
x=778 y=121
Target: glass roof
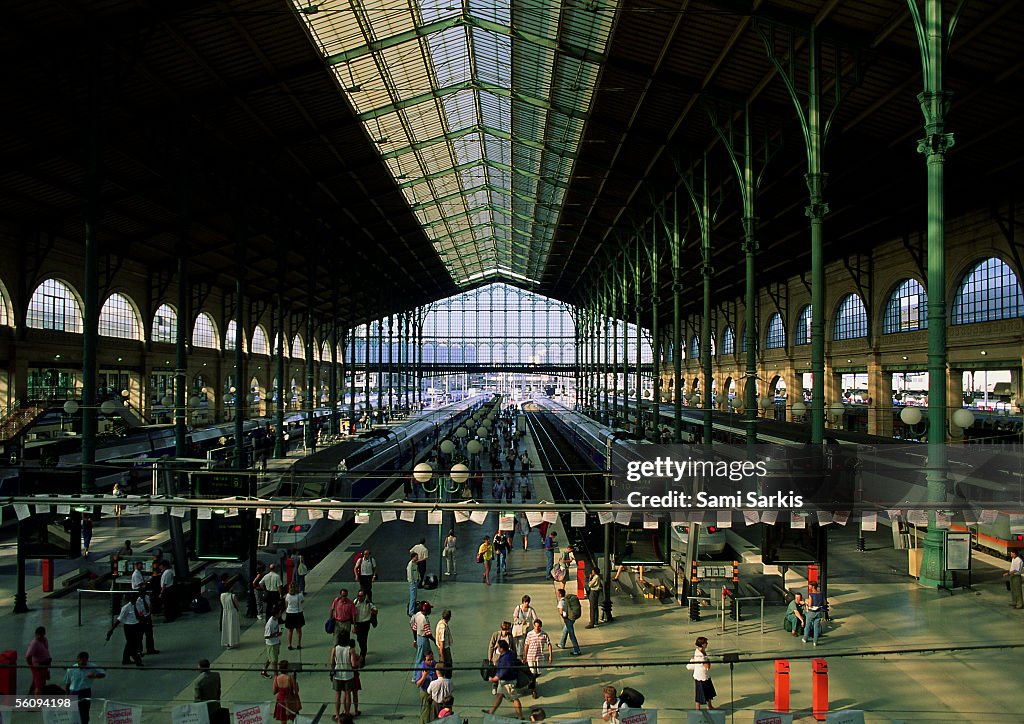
x=477 y=108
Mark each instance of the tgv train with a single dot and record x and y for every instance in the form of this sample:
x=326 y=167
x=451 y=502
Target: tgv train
x=359 y=469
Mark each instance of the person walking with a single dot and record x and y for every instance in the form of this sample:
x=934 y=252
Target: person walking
x=132 y=641
x=536 y=642
x=426 y=673
x=86 y=533
x=260 y=593
x=700 y=665
x=568 y=613
x=412 y=577
x=524 y=531
x=343 y=611
x=1014 y=574
x=550 y=548
x=594 y=586
x=365 y=615
x=37 y=656
x=448 y=553
x=272 y=639
x=343 y=665
x=273 y=587
x=78 y=682
x=144 y=612
x=367 y=573
x=230 y=625
x=168 y=599
x=294 y=619
x=207 y=689
x=485 y=555
x=286 y=693
x=501 y=549
x=523 y=617
x=439 y=690
x=420 y=549
x=443 y=639
x=301 y=570
x=420 y=625
x=493 y=653
x=506 y=680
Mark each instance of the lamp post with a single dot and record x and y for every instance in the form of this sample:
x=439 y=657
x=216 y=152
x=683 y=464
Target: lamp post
x=459 y=474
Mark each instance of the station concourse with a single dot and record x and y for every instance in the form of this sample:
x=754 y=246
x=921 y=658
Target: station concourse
x=234 y=234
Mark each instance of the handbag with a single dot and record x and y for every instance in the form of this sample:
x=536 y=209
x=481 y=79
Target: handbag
x=329 y=625
x=373 y=618
x=480 y=559
x=519 y=629
x=487 y=669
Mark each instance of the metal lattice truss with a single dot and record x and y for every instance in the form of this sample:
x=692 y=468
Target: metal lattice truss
x=477 y=109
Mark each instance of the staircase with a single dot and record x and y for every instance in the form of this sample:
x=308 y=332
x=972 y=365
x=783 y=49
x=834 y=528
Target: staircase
x=20 y=417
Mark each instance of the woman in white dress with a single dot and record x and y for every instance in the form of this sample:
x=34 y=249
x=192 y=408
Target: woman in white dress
x=230 y=624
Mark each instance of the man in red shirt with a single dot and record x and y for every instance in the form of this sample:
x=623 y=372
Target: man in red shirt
x=343 y=611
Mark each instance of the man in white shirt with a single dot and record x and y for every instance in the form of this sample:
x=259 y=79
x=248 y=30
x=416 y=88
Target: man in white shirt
x=129 y=619
x=1014 y=573
x=440 y=688
x=367 y=573
x=272 y=638
x=144 y=612
x=167 y=592
x=420 y=549
x=412 y=577
x=364 y=617
x=138 y=577
x=443 y=638
x=272 y=584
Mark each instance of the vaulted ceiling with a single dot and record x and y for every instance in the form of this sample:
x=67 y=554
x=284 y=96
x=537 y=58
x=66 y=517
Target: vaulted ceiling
x=361 y=158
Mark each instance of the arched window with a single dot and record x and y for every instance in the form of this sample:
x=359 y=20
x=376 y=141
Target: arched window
x=325 y=352
x=53 y=306
x=203 y=333
x=259 y=341
x=776 y=335
x=803 y=325
x=119 y=319
x=989 y=291
x=315 y=351
x=298 y=349
x=5 y=312
x=165 y=324
x=695 y=347
x=728 y=341
x=907 y=308
x=851 y=319
x=229 y=337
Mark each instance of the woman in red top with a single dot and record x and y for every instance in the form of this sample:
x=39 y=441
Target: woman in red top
x=37 y=656
x=286 y=689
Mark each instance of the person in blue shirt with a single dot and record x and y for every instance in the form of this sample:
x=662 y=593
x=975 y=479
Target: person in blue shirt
x=815 y=612
x=78 y=681
x=506 y=677
x=427 y=672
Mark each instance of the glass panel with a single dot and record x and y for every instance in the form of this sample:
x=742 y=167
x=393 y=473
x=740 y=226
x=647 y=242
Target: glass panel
x=989 y=291
x=851 y=319
x=118 y=319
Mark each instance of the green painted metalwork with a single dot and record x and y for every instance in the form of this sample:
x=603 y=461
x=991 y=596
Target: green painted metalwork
x=933 y=37
x=433 y=87
x=279 y=448
x=240 y=378
x=307 y=430
x=90 y=304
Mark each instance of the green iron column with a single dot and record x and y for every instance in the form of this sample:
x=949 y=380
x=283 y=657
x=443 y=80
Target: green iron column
x=180 y=393
x=655 y=338
x=90 y=303
x=307 y=431
x=352 y=339
x=336 y=374
x=601 y=326
x=816 y=211
x=625 y=341
x=640 y=424
x=366 y=371
x=279 y=447
x=391 y=362
x=241 y=383
x=934 y=37
x=380 y=365
x=676 y=249
x=613 y=338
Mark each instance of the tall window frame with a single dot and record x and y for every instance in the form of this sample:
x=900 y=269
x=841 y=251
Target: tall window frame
x=988 y=292
x=851 y=320
x=775 y=336
x=54 y=307
x=804 y=319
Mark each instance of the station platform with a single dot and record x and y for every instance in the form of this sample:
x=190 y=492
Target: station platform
x=900 y=652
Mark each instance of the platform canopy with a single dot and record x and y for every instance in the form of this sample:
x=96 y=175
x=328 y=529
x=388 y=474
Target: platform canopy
x=477 y=109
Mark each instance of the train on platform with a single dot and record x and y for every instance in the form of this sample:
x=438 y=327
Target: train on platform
x=884 y=472
x=362 y=468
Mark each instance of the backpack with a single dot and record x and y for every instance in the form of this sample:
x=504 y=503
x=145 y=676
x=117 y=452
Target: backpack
x=560 y=572
x=631 y=698
x=573 y=610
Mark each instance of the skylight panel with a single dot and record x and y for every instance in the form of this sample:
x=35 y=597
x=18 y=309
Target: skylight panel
x=449 y=56
x=434 y=10
x=460 y=109
x=467 y=148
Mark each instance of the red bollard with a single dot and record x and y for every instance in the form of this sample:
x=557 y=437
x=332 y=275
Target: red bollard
x=782 y=686
x=813 y=574
x=819 y=688
x=47 y=575
x=581 y=579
